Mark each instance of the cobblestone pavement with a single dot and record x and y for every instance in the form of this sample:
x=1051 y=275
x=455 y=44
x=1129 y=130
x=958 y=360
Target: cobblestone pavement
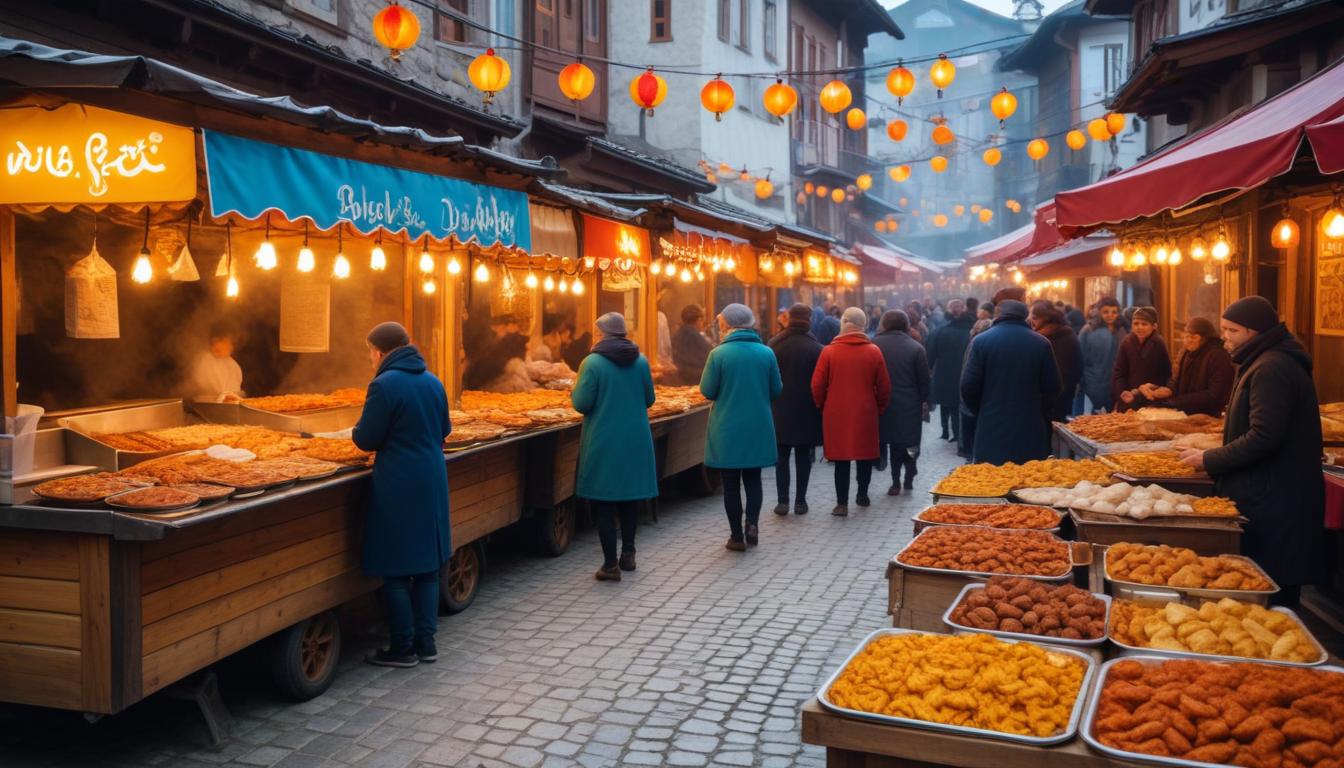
x=701 y=657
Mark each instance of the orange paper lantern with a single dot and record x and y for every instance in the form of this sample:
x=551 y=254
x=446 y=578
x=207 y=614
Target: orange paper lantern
x=896 y=130
x=823 y=190
x=780 y=99
x=992 y=156
x=489 y=73
x=837 y=195
x=864 y=182
x=940 y=220
x=809 y=187
x=880 y=225
x=648 y=90
x=1003 y=105
x=856 y=119
x=1115 y=123
x=942 y=134
x=835 y=96
x=942 y=73
x=764 y=189
x=899 y=173
x=717 y=96
x=396 y=29
x=938 y=163
x=986 y=215
x=1037 y=148
x=959 y=209
x=1075 y=139
x=1098 y=129
x=1286 y=234
x=900 y=81
x=576 y=81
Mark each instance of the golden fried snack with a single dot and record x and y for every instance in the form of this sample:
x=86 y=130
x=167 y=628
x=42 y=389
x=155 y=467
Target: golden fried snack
x=1224 y=628
x=1014 y=604
x=988 y=550
x=1181 y=567
x=1149 y=464
x=988 y=480
x=1025 y=516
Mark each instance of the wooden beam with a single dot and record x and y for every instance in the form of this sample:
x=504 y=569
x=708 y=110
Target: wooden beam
x=9 y=315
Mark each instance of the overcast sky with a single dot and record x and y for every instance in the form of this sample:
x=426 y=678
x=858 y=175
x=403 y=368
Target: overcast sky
x=1004 y=7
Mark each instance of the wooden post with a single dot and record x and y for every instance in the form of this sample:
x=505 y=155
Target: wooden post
x=9 y=315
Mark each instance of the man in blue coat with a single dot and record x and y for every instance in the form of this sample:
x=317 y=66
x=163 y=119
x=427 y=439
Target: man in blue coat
x=406 y=533
x=1009 y=378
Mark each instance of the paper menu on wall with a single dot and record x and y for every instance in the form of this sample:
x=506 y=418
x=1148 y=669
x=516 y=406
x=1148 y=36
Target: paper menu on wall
x=305 y=314
x=91 y=299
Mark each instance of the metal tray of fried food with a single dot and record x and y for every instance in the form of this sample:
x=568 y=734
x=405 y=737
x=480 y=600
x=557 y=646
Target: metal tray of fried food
x=919 y=518
x=1068 y=572
x=1129 y=590
x=963 y=629
x=1075 y=718
x=81 y=447
x=939 y=498
x=1132 y=650
x=318 y=420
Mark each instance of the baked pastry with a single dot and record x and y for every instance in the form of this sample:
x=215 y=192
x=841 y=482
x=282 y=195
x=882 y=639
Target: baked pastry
x=83 y=488
x=155 y=497
x=1024 y=516
x=1225 y=628
x=1180 y=567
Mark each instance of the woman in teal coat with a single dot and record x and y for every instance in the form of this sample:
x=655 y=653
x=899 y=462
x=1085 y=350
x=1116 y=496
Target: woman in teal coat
x=742 y=379
x=616 y=465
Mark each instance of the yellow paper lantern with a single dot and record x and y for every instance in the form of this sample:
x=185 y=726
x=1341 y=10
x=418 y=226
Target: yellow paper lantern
x=1003 y=105
x=942 y=73
x=1098 y=130
x=986 y=215
x=942 y=134
x=1115 y=123
x=764 y=189
x=396 y=29
x=1038 y=148
x=992 y=156
x=864 y=182
x=940 y=220
x=717 y=96
x=835 y=96
x=1332 y=223
x=896 y=130
x=489 y=73
x=648 y=90
x=900 y=82
x=1286 y=234
x=576 y=81
x=938 y=163
x=1075 y=139
x=899 y=173
x=780 y=99
x=856 y=119
x=837 y=195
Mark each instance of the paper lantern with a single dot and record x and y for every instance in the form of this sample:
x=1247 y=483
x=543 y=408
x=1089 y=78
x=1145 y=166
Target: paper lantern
x=809 y=187
x=899 y=173
x=648 y=90
x=1098 y=130
x=880 y=225
x=940 y=220
x=717 y=96
x=942 y=134
x=892 y=226
x=396 y=29
x=975 y=208
x=1003 y=105
x=1115 y=123
x=1037 y=148
x=1332 y=223
x=959 y=209
x=489 y=73
x=837 y=195
x=1286 y=234
x=764 y=189
x=900 y=82
x=942 y=73
x=896 y=130
x=576 y=81
x=992 y=156
x=835 y=96
x=986 y=215
x=864 y=182
x=904 y=201
x=801 y=198
x=1075 y=139
x=823 y=190
x=856 y=119
x=780 y=99
x=938 y=163
x=1117 y=257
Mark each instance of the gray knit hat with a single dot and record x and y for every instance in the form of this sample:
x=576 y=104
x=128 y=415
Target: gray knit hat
x=612 y=324
x=738 y=316
x=856 y=317
x=1147 y=314
x=388 y=336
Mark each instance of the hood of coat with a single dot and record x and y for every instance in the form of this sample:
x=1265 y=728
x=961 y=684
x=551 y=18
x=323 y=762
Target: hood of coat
x=964 y=320
x=853 y=337
x=1051 y=330
x=407 y=359
x=1277 y=338
x=618 y=350
x=894 y=333
x=1010 y=320
x=742 y=334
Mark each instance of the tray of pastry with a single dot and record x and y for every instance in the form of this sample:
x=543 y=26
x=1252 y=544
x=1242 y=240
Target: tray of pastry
x=1227 y=630
x=1127 y=588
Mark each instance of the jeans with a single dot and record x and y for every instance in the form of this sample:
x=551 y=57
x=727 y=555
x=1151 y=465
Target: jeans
x=900 y=457
x=950 y=419
x=734 y=480
x=608 y=513
x=1079 y=402
x=412 y=605
x=865 y=472
x=802 y=463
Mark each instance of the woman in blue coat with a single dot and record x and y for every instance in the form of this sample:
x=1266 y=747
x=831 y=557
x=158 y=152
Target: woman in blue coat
x=742 y=379
x=616 y=466
x=406 y=533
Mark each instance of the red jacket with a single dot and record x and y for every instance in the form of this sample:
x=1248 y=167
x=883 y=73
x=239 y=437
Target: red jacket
x=851 y=388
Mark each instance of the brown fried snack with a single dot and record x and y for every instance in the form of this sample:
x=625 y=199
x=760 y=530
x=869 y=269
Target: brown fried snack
x=986 y=550
x=1028 y=606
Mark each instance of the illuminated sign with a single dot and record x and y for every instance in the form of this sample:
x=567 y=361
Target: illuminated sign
x=622 y=244
x=82 y=154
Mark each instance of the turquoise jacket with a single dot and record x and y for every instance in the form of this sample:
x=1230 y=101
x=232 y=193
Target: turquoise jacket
x=742 y=378
x=616 y=449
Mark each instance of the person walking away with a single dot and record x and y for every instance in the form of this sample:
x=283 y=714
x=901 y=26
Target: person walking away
x=966 y=439
x=1009 y=379
x=902 y=424
x=851 y=387
x=1202 y=382
x=690 y=348
x=1049 y=321
x=918 y=330
x=1269 y=464
x=1141 y=359
x=797 y=418
x=617 y=470
x=829 y=327
x=946 y=353
x=1100 y=343
x=741 y=379
x=1075 y=319
x=407 y=537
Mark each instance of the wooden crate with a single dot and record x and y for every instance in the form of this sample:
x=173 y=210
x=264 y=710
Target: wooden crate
x=685 y=446
x=1206 y=539
x=918 y=599
x=485 y=490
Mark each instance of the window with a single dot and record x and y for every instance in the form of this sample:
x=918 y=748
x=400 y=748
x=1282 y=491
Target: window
x=661 y=21
x=725 y=18
x=743 y=37
x=450 y=29
x=770 y=19
x=1112 y=68
x=592 y=21
x=545 y=23
x=322 y=10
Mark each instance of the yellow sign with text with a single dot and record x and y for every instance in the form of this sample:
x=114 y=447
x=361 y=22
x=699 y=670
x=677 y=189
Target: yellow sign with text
x=83 y=154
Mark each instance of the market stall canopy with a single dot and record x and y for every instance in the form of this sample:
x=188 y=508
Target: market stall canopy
x=873 y=255
x=553 y=232
x=1327 y=143
x=1003 y=247
x=1239 y=153
x=1084 y=257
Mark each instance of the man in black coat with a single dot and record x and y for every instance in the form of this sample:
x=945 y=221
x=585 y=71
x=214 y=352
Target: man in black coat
x=797 y=417
x=1050 y=323
x=1009 y=377
x=690 y=348
x=947 y=351
x=1270 y=460
x=902 y=423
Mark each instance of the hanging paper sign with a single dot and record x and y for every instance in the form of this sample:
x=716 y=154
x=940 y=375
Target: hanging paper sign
x=91 y=299
x=305 y=314
x=251 y=177
x=604 y=239
x=81 y=154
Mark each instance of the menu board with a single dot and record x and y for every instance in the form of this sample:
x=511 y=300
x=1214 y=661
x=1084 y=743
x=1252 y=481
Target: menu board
x=91 y=299
x=305 y=314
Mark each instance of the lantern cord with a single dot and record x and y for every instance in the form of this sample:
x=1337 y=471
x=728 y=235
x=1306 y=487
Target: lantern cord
x=144 y=246
x=228 y=244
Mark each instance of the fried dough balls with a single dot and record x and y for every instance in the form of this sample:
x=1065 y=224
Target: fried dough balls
x=1014 y=604
x=987 y=550
x=1018 y=516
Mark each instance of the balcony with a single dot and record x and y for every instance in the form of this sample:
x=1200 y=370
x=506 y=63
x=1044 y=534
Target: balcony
x=823 y=145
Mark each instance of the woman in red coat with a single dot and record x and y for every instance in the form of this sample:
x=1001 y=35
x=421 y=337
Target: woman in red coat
x=851 y=387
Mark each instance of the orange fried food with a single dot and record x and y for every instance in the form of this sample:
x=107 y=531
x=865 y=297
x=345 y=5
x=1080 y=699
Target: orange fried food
x=988 y=550
x=1028 y=604
x=1181 y=567
x=988 y=480
x=1149 y=464
x=1021 y=516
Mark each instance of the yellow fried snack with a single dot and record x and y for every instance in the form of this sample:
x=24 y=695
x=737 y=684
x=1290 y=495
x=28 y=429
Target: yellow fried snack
x=1149 y=464
x=1225 y=628
x=974 y=681
x=988 y=480
x=1181 y=567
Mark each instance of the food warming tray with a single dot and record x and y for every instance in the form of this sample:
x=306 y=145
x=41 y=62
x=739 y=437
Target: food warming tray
x=82 y=448
x=919 y=518
x=823 y=697
x=1094 y=701
x=1068 y=573
x=1133 y=590
x=962 y=629
x=316 y=420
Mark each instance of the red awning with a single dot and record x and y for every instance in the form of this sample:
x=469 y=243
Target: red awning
x=1327 y=143
x=1001 y=248
x=1240 y=153
x=885 y=257
x=1084 y=257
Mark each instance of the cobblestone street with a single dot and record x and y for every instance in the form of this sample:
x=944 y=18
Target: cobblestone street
x=701 y=657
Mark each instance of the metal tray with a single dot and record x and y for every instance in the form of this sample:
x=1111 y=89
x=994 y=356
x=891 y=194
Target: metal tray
x=1135 y=650
x=112 y=502
x=1088 y=517
x=1094 y=701
x=961 y=730
x=941 y=497
x=82 y=448
x=319 y=420
x=1027 y=636
x=1067 y=574
x=1128 y=590
x=1016 y=499
x=919 y=518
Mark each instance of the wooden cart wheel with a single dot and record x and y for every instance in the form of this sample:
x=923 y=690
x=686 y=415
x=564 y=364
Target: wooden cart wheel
x=460 y=579
x=555 y=528
x=303 y=658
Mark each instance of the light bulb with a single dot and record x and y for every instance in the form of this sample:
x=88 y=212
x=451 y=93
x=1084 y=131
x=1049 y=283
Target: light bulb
x=530 y=281
x=562 y=286
x=1117 y=257
x=685 y=275
x=548 y=284
x=454 y=266
x=700 y=275
x=265 y=256
x=656 y=267
x=1198 y=249
x=788 y=268
x=577 y=288
x=306 y=260
x=1161 y=254
x=589 y=261
x=429 y=286
x=143 y=271
x=426 y=262
x=1175 y=258
x=1221 y=251
x=1332 y=223
x=231 y=288
x=730 y=265
x=340 y=268
x=482 y=273
x=377 y=259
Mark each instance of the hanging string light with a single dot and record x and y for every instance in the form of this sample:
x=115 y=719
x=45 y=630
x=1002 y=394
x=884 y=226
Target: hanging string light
x=482 y=273
x=454 y=266
x=856 y=119
x=1098 y=129
x=1199 y=250
x=396 y=29
x=1115 y=123
x=780 y=99
x=986 y=215
x=899 y=173
x=489 y=73
x=1285 y=233
x=941 y=133
x=717 y=96
x=992 y=156
x=900 y=82
x=648 y=90
x=340 y=268
x=942 y=72
x=265 y=257
x=1038 y=148
x=837 y=195
x=764 y=189
x=896 y=129
x=531 y=280
x=576 y=81
x=1332 y=222
x=426 y=258
x=1003 y=105
x=1221 y=250
x=230 y=286
x=938 y=163
x=1075 y=139
x=864 y=182
x=143 y=271
x=835 y=96
x=307 y=262
x=378 y=259
x=577 y=287
x=1116 y=257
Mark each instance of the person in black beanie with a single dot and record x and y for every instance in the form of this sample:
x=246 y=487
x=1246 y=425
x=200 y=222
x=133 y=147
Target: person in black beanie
x=797 y=417
x=1269 y=462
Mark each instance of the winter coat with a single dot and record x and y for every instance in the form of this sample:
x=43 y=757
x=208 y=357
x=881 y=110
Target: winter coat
x=613 y=391
x=405 y=419
x=1139 y=363
x=827 y=329
x=1074 y=317
x=742 y=378
x=1099 y=346
x=797 y=417
x=1270 y=460
x=851 y=387
x=1203 y=380
x=947 y=351
x=1069 y=361
x=1008 y=382
x=902 y=423
x=690 y=349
